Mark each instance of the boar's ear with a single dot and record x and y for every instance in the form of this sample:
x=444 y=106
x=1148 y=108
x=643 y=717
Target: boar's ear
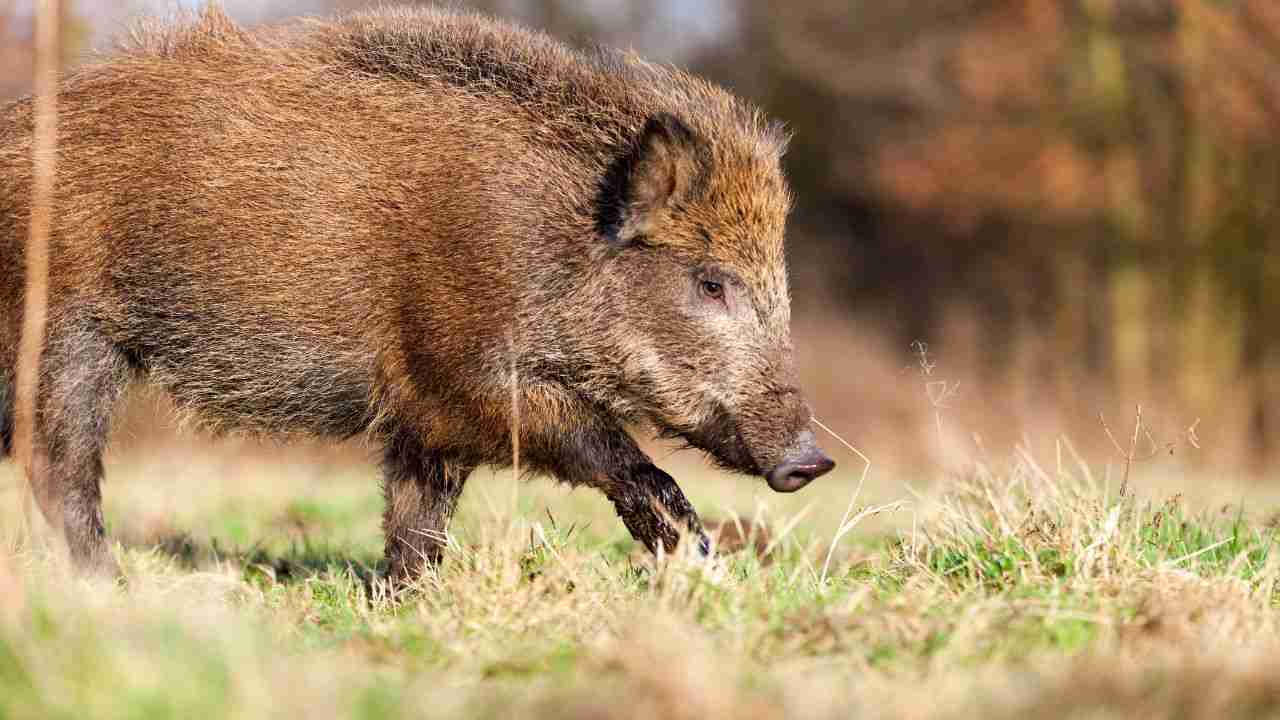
x=641 y=185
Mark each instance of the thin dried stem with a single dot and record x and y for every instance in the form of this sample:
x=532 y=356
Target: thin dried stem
x=1154 y=449
x=513 y=358
x=939 y=392
x=1130 y=455
x=515 y=409
x=1133 y=451
x=850 y=520
x=44 y=169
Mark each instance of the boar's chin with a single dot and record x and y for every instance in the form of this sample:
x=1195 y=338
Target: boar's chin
x=719 y=436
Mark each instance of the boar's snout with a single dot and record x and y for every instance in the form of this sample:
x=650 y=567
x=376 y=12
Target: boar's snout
x=801 y=465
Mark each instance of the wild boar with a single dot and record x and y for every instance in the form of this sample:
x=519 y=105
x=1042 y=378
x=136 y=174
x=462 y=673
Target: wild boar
x=411 y=225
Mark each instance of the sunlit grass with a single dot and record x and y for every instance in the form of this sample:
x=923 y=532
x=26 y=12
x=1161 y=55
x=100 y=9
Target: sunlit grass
x=253 y=589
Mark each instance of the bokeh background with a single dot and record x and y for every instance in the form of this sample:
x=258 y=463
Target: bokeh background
x=1072 y=203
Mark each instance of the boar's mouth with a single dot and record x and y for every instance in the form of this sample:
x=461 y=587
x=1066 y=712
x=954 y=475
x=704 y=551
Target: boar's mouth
x=720 y=436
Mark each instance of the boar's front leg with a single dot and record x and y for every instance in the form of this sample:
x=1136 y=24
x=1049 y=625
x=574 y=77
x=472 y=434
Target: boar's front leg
x=649 y=501
x=422 y=489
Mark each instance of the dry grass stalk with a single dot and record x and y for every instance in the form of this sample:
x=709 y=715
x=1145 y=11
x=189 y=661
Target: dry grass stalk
x=1028 y=572
x=1155 y=448
x=44 y=160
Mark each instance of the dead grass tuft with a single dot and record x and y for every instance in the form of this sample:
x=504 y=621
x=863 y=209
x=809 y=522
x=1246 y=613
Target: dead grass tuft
x=1028 y=589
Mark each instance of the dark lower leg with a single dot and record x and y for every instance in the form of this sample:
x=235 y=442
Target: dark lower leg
x=422 y=490
x=654 y=509
x=81 y=380
x=70 y=498
x=648 y=500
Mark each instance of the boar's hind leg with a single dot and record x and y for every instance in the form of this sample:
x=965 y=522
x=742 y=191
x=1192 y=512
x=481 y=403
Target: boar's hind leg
x=82 y=377
x=422 y=489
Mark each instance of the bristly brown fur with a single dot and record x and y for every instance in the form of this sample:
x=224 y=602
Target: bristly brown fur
x=339 y=227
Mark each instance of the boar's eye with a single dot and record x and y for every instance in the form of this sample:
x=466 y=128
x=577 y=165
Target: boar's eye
x=712 y=289
x=713 y=285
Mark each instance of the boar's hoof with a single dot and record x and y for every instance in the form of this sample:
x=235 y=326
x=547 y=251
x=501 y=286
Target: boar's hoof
x=799 y=470
x=704 y=545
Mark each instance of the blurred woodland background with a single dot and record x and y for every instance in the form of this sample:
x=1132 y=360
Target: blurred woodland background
x=1073 y=202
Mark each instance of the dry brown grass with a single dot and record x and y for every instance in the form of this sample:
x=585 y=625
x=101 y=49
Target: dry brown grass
x=1024 y=589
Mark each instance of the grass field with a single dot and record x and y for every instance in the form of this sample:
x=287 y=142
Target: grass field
x=1019 y=589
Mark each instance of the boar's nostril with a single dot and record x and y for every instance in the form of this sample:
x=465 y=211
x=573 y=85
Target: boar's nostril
x=797 y=471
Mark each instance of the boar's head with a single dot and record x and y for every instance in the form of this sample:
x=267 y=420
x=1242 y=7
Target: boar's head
x=698 y=298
